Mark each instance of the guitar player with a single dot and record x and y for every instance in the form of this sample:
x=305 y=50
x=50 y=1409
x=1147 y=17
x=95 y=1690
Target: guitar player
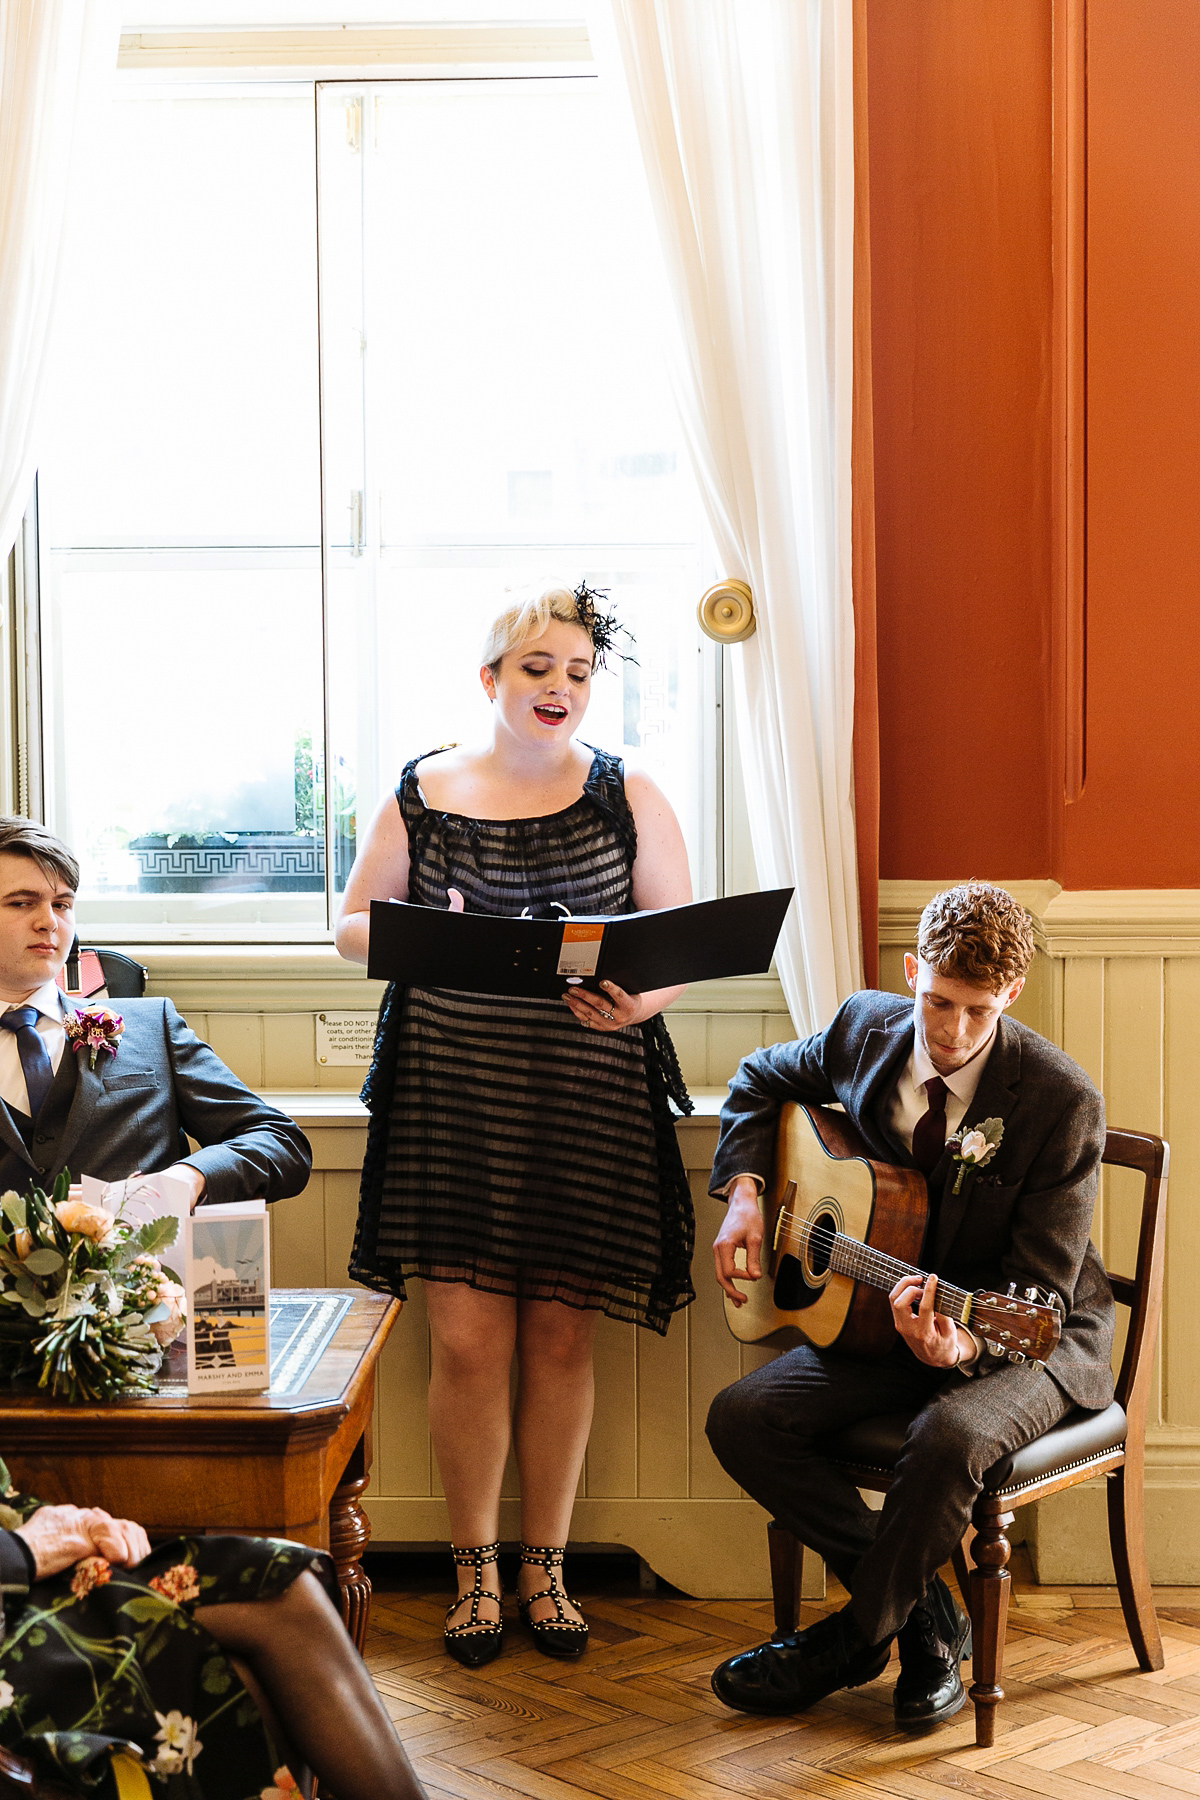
x=914 y=1078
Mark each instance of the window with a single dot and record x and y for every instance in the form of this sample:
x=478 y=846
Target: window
x=419 y=313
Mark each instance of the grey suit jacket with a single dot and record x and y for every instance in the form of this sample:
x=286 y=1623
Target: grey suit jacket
x=1025 y=1217
x=130 y=1111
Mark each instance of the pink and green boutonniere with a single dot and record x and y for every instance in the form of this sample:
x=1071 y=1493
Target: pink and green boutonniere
x=94 y=1031
x=976 y=1147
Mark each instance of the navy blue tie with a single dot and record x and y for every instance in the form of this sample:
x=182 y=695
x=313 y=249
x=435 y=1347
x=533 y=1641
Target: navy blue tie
x=35 y=1058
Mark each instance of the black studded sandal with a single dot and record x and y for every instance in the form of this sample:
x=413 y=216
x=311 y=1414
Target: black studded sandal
x=559 y=1636
x=476 y=1641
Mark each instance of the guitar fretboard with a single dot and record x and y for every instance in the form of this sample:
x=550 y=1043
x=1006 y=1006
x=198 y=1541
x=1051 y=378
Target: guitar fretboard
x=846 y=1256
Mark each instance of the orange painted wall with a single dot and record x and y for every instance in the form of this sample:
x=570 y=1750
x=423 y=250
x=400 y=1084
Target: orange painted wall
x=959 y=105
x=960 y=102
x=1138 y=822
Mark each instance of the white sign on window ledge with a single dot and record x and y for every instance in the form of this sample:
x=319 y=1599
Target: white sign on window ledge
x=344 y=1038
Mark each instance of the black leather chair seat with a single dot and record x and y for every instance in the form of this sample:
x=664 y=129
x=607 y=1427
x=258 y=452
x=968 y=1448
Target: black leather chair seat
x=877 y=1443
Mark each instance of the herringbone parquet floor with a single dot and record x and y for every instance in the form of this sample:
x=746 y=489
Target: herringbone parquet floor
x=635 y=1718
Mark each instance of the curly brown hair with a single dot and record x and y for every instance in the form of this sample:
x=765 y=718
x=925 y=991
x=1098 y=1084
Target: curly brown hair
x=977 y=933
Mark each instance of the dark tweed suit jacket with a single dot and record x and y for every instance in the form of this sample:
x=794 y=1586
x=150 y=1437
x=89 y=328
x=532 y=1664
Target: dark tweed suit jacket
x=131 y=1110
x=1025 y=1217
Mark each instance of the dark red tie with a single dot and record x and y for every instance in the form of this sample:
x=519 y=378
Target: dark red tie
x=929 y=1136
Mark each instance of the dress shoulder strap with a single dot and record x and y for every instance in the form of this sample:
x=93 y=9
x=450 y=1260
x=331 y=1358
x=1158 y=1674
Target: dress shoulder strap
x=408 y=788
x=605 y=787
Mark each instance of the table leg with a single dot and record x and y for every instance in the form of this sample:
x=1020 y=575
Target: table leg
x=349 y=1535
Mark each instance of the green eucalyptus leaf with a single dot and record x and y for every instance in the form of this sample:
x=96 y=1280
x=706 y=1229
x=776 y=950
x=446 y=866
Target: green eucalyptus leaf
x=43 y=1262
x=34 y=1305
x=14 y=1210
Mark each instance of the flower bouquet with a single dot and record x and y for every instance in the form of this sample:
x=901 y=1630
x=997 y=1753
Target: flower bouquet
x=86 y=1305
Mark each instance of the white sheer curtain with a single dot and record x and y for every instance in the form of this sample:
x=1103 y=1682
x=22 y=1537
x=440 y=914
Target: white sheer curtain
x=744 y=113
x=55 y=57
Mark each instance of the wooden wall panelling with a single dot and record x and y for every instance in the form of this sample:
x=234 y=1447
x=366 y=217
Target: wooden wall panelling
x=1181 y=1127
x=237 y=1039
x=650 y=1481
x=612 y=1456
x=1133 y=1093
x=689 y=1034
x=289 y=1050
x=715 y=1358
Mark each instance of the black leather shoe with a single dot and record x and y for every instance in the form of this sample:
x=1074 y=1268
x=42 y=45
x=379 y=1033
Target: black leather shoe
x=933 y=1641
x=793 y=1672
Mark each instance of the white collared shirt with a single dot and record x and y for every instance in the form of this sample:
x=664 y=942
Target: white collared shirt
x=50 y=1023
x=909 y=1101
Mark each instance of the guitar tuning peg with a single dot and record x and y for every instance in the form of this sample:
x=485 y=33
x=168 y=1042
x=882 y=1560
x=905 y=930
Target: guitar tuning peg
x=993 y=1348
x=1012 y=1288
x=1031 y=1293
x=1016 y=1356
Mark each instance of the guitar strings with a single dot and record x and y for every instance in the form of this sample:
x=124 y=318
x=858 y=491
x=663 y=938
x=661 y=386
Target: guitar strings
x=862 y=1263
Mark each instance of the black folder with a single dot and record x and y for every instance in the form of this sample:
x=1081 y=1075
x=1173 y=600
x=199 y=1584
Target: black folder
x=481 y=953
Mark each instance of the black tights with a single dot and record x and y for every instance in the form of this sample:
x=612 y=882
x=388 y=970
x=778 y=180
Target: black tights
x=318 y=1693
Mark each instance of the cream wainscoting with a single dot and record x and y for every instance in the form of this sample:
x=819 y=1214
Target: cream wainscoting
x=650 y=1481
x=1117 y=985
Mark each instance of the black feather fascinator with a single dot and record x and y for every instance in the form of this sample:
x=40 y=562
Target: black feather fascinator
x=602 y=627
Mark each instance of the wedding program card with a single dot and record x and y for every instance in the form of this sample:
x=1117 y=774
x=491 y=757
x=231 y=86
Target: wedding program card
x=229 y=1299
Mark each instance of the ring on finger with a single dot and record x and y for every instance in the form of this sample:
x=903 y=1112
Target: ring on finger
x=610 y=1016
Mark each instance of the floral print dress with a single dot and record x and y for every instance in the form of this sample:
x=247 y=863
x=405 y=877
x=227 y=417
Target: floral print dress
x=101 y=1659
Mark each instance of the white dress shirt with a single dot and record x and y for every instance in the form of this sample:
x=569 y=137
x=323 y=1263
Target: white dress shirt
x=909 y=1101
x=48 y=1000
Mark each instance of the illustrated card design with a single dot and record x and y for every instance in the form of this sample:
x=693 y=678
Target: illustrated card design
x=229 y=1299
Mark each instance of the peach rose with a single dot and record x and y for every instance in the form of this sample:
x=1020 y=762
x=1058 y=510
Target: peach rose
x=89 y=1221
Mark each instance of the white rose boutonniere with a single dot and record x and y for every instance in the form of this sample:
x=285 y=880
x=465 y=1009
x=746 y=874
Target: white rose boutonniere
x=976 y=1147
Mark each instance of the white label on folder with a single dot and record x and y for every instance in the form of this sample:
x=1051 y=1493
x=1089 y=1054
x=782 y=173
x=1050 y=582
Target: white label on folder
x=580 y=953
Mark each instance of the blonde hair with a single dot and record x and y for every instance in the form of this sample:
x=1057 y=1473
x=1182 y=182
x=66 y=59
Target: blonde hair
x=977 y=933
x=527 y=619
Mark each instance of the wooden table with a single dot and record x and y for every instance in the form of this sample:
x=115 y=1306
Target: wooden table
x=262 y=1465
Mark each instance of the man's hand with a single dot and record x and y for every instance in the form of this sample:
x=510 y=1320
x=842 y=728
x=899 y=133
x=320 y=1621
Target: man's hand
x=931 y=1336
x=191 y=1177
x=61 y=1536
x=742 y=1230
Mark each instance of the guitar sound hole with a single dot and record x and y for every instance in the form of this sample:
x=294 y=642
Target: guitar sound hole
x=795 y=1287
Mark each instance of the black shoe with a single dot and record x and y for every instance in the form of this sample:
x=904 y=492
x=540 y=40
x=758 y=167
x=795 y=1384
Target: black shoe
x=933 y=1641
x=476 y=1641
x=561 y=1635
x=793 y=1672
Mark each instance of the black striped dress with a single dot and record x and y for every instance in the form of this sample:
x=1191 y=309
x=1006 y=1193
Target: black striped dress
x=509 y=1147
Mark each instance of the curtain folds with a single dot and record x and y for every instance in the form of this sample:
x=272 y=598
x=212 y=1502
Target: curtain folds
x=866 y=668
x=55 y=57
x=744 y=113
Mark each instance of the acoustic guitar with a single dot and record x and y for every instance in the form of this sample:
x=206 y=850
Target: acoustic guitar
x=839 y=1232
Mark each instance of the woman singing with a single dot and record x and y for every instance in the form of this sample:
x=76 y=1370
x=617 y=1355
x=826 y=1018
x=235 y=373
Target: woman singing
x=521 y=1157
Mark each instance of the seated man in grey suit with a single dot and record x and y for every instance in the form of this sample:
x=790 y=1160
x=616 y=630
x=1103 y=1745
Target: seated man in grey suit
x=130 y=1111
x=911 y=1076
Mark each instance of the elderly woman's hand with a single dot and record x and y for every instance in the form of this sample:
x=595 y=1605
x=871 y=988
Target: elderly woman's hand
x=610 y=1010
x=61 y=1536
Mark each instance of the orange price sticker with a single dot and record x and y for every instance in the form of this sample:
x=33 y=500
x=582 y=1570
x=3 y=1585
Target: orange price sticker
x=580 y=953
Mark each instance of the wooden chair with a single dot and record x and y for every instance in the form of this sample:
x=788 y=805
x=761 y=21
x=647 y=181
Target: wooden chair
x=1085 y=1444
